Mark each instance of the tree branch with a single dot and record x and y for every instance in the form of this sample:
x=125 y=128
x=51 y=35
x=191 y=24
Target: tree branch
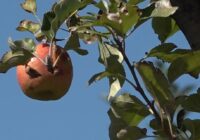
x=121 y=44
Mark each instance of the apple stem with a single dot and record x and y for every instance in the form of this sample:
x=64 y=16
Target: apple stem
x=50 y=49
x=50 y=55
x=34 y=54
x=57 y=59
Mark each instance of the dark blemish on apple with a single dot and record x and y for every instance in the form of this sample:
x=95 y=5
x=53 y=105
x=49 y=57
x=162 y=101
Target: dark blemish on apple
x=32 y=72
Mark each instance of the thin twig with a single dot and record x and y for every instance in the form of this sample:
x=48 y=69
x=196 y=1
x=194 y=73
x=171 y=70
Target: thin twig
x=138 y=87
x=121 y=45
x=64 y=30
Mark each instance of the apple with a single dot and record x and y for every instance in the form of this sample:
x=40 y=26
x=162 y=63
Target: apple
x=41 y=82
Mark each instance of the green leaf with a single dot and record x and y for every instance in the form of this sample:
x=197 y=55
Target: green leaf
x=193 y=127
x=161 y=50
x=112 y=59
x=61 y=11
x=122 y=21
x=129 y=108
x=21 y=52
x=187 y=64
x=156 y=10
x=131 y=133
x=27 y=25
x=160 y=8
x=180 y=118
x=83 y=27
x=109 y=55
x=130 y=17
x=164 y=27
x=32 y=27
x=115 y=85
x=144 y=17
x=191 y=103
x=165 y=52
x=161 y=130
x=101 y=75
x=73 y=21
x=158 y=128
x=88 y=35
x=155 y=124
x=163 y=8
x=146 y=12
x=26 y=44
x=119 y=130
x=101 y=6
x=12 y=59
x=157 y=84
x=30 y=6
x=98 y=77
x=46 y=25
x=74 y=44
x=39 y=36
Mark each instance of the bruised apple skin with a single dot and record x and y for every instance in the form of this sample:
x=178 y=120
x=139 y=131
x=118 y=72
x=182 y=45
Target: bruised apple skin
x=39 y=82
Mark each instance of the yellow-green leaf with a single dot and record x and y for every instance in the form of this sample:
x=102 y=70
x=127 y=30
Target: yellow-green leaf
x=30 y=26
x=156 y=83
x=121 y=21
x=187 y=64
x=129 y=108
x=30 y=6
x=12 y=59
x=163 y=8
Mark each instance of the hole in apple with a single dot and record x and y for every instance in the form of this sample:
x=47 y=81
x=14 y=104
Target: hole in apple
x=32 y=72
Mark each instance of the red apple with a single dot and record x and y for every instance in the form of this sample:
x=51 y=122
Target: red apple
x=38 y=81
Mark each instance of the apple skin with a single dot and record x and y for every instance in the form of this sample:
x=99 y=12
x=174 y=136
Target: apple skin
x=37 y=82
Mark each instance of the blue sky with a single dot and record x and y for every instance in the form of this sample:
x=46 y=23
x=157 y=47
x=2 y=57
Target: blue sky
x=82 y=113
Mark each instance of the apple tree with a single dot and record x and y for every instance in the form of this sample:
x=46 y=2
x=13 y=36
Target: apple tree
x=109 y=23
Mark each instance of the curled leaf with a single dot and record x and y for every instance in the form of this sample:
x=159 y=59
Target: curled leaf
x=30 y=6
x=74 y=44
x=21 y=51
x=12 y=59
x=98 y=77
x=26 y=44
x=32 y=27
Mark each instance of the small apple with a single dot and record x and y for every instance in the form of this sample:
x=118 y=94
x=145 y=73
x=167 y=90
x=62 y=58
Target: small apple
x=41 y=82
